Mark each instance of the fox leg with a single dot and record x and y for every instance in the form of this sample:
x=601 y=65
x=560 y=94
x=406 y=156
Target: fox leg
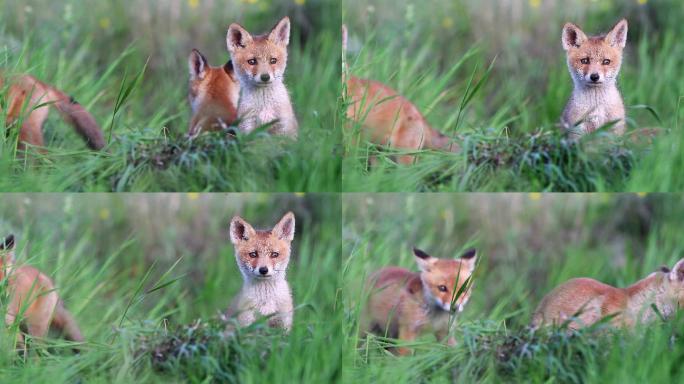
x=32 y=130
x=282 y=319
x=11 y=316
x=40 y=316
x=407 y=137
x=406 y=333
x=246 y=317
x=443 y=335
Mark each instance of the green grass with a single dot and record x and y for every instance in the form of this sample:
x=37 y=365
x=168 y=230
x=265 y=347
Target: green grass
x=527 y=245
x=147 y=276
x=499 y=88
x=131 y=74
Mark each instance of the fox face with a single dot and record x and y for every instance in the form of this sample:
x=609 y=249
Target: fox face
x=594 y=60
x=6 y=254
x=675 y=280
x=443 y=278
x=213 y=94
x=259 y=60
x=262 y=254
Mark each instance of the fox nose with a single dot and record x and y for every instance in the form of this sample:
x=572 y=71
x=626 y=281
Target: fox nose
x=594 y=77
x=265 y=77
x=263 y=270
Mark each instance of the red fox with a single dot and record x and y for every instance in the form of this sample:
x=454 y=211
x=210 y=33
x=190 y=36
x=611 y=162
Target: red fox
x=582 y=302
x=387 y=118
x=214 y=93
x=594 y=63
x=402 y=303
x=263 y=257
x=260 y=63
x=32 y=98
x=33 y=299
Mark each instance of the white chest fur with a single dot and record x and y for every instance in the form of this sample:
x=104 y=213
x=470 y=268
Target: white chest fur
x=264 y=105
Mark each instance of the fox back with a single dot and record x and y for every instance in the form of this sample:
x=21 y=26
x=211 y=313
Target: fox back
x=213 y=95
x=263 y=257
x=260 y=62
x=582 y=301
x=594 y=63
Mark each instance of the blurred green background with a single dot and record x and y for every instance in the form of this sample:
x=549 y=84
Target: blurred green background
x=107 y=253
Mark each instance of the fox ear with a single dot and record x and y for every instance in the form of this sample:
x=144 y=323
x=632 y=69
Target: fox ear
x=423 y=260
x=240 y=230
x=7 y=243
x=197 y=64
x=237 y=38
x=229 y=69
x=469 y=258
x=572 y=36
x=677 y=273
x=280 y=34
x=285 y=229
x=617 y=37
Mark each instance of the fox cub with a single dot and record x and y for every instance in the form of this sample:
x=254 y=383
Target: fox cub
x=213 y=96
x=387 y=118
x=582 y=302
x=594 y=63
x=402 y=303
x=29 y=101
x=33 y=299
x=260 y=63
x=262 y=257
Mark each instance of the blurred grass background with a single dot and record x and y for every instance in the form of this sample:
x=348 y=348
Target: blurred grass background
x=95 y=50
x=527 y=244
x=435 y=52
x=112 y=256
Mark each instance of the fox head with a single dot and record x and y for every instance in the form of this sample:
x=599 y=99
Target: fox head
x=262 y=254
x=594 y=60
x=259 y=60
x=214 y=93
x=443 y=278
x=6 y=254
x=675 y=281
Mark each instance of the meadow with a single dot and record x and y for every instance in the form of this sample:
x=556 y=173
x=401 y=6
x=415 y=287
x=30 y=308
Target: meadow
x=493 y=76
x=527 y=244
x=126 y=62
x=146 y=277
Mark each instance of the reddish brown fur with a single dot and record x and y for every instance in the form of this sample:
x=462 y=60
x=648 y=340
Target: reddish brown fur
x=213 y=95
x=25 y=93
x=388 y=118
x=33 y=296
x=584 y=301
x=398 y=303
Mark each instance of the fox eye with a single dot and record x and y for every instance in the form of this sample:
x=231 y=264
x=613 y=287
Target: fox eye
x=606 y=61
x=252 y=61
x=254 y=254
x=274 y=254
x=274 y=60
x=585 y=60
x=442 y=288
